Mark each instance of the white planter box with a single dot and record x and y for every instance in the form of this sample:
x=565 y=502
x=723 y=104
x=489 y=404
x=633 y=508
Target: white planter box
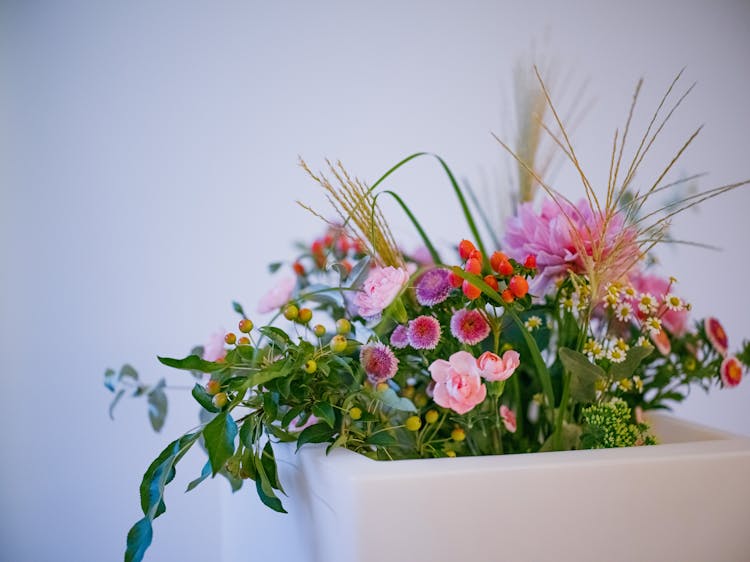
x=685 y=500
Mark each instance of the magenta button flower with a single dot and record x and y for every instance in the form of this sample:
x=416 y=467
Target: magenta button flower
x=433 y=287
x=469 y=326
x=378 y=361
x=424 y=332
x=379 y=290
x=458 y=385
x=495 y=368
x=400 y=337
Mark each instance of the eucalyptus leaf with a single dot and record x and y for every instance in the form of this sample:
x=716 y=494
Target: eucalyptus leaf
x=323 y=294
x=114 y=402
x=237 y=307
x=358 y=274
x=394 y=401
x=634 y=358
x=157 y=405
x=583 y=374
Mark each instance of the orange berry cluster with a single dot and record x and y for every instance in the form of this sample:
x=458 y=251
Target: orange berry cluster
x=503 y=268
x=335 y=243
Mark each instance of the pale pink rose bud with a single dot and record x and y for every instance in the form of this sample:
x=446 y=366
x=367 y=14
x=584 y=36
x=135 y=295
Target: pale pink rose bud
x=495 y=368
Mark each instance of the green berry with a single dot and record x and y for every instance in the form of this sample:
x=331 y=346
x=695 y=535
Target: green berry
x=246 y=325
x=291 y=312
x=304 y=315
x=230 y=338
x=220 y=400
x=319 y=330
x=343 y=326
x=338 y=344
x=310 y=366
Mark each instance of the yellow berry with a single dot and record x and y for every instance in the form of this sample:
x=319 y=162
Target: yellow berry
x=420 y=400
x=413 y=423
x=343 y=326
x=310 y=366
x=220 y=400
x=458 y=434
x=338 y=344
x=291 y=312
x=319 y=330
x=355 y=413
x=431 y=416
x=246 y=325
x=450 y=453
x=304 y=315
x=408 y=392
x=243 y=341
x=213 y=387
x=382 y=386
x=230 y=338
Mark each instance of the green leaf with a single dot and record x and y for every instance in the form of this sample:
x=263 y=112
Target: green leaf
x=381 y=439
x=270 y=500
x=139 y=539
x=268 y=460
x=110 y=379
x=274 y=267
x=128 y=371
x=583 y=374
x=247 y=432
x=276 y=370
x=422 y=234
x=340 y=442
x=205 y=473
x=237 y=307
x=633 y=359
x=318 y=433
x=114 y=402
x=219 y=436
x=394 y=401
x=270 y=406
x=324 y=411
x=281 y=434
x=192 y=363
x=157 y=405
x=278 y=336
x=204 y=398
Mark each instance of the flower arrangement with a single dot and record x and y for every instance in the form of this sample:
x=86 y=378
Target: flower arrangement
x=559 y=336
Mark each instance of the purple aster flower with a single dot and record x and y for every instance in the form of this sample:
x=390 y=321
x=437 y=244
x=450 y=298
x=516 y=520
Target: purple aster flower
x=433 y=287
x=424 y=332
x=399 y=337
x=469 y=326
x=378 y=361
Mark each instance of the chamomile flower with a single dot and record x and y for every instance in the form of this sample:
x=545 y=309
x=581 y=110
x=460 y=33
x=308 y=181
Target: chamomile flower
x=643 y=341
x=625 y=385
x=621 y=344
x=647 y=303
x=638 y=383
x=673 y=302
x=653 y=325
x=616 y=355
x=624 y=312
x=533 y=322
x=611 y=300
x=629 y=292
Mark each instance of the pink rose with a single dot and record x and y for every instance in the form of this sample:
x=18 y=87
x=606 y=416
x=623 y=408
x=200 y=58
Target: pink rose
x=458 y=385
x=379 y=290
x=509 y=418
x=278 y=296
x=494 y=368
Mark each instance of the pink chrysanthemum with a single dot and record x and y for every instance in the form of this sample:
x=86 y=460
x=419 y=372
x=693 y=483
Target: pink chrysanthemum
x=378 y=361
x=469 y=326
x=509 y=418
x=424 y=332
x=433 y=287
x=716 y=335
x=559 y=236
x=400 y=337
x=731 y=371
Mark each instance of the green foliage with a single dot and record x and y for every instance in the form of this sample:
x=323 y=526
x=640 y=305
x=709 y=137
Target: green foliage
x=583 y=375
x=609 y=425
x=219 y=435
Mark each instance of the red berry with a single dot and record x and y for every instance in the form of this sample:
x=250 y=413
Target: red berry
x=496 y=259
x=465 y=248
x=230 y=338
x=347 y=265
x=474 y=266
x=530 y=261
x=476 y=255
x=316 y=248
x=518 y=286
x=455 y=280
x=492 y=282
x=507 y=296
x=328 y=240
x=299 y=269
x=472 y=292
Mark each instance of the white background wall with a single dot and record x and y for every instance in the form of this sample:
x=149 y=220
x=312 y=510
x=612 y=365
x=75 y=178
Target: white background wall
x=148 y=173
